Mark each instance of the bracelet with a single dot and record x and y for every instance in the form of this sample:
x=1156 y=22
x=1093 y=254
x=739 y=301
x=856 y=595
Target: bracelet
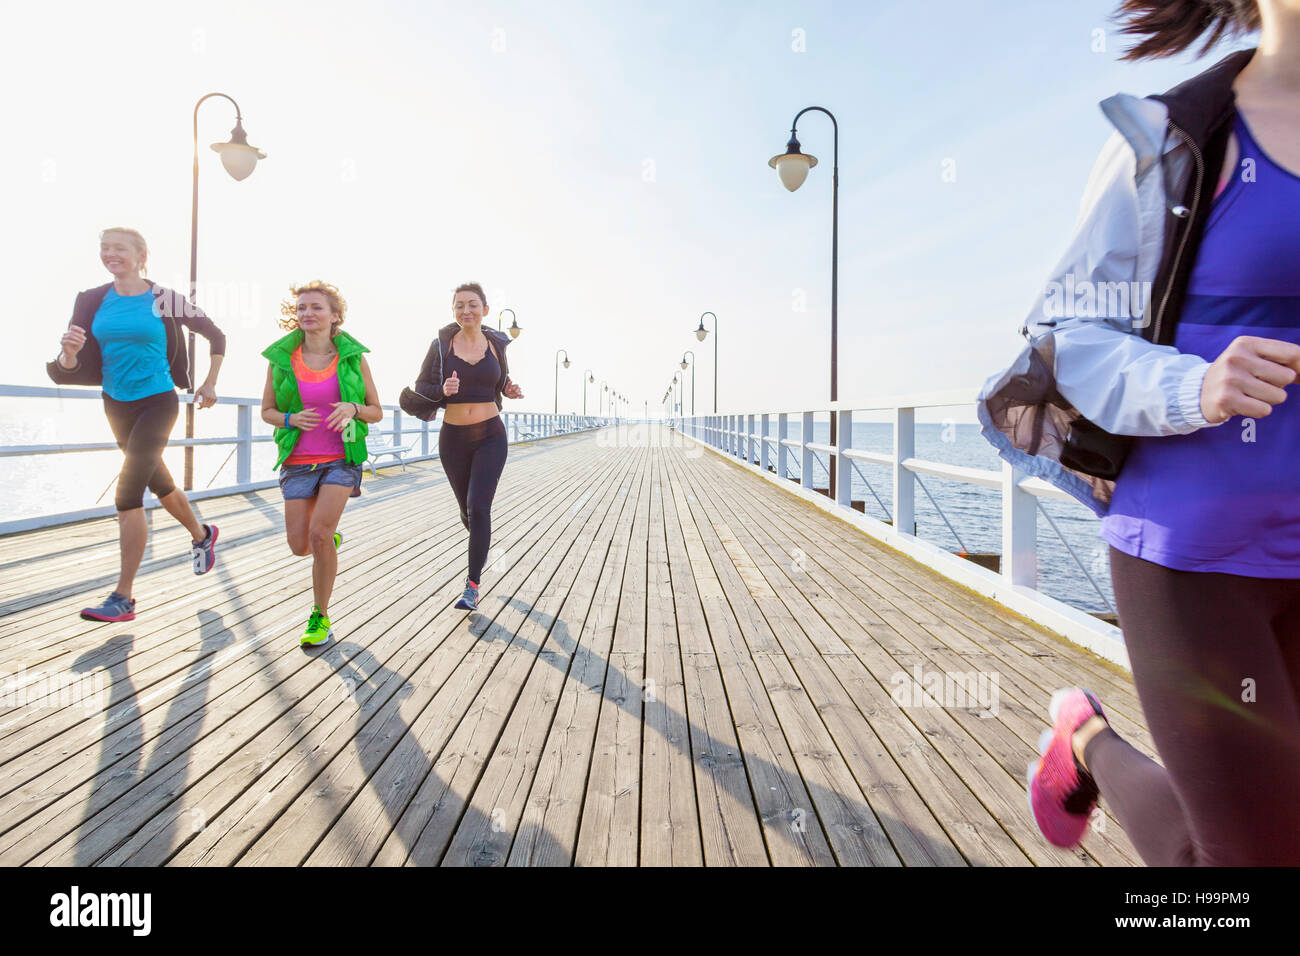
x=356 y=410
x=286 y=419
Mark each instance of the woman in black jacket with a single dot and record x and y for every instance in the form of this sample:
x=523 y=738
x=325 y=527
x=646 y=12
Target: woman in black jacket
x=466 y=373
x=126 y=337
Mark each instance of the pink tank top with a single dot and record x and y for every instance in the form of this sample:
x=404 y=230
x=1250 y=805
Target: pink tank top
x=318 y=391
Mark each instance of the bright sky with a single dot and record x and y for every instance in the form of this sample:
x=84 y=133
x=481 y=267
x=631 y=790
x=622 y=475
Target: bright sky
x=600 y=167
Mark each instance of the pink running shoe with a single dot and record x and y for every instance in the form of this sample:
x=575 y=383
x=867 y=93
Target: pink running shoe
x=1061 y=793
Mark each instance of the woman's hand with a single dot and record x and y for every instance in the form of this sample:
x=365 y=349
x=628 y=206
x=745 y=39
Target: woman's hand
x=1248 y=378
x=206 y=395
x=72 y=342
x=512 y=391
x=342 y=414
x=305 y=420
x=450 y=386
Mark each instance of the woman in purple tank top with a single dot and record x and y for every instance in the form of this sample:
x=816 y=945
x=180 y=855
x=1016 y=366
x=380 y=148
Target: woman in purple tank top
x=1204 y=521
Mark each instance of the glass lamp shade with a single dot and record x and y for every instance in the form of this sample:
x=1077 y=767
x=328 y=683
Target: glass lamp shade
x=514 y=334
x=701 y=332
x=683 y=365
x=591 y=380
x=238 y=158
x=566 y=363
x=792 y=168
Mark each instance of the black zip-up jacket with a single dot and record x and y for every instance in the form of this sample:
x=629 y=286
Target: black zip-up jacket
x=1200 y=110
x=426 y=398
x=173 y=308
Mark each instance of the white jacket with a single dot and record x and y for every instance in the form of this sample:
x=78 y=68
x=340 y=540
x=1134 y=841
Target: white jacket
x=1087 y=355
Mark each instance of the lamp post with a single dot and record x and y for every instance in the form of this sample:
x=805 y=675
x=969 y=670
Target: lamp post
x=514 y=323
x=700 y=334
x=601 y=395
x=692 y=355
x=239 y=159
x=587 y=379
x=792 y=166
x=557 y=376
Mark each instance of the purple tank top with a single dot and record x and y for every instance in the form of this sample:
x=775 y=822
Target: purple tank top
x=319 y=389
x=1227 y=498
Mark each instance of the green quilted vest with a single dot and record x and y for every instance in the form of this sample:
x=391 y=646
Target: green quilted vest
x=352 y=388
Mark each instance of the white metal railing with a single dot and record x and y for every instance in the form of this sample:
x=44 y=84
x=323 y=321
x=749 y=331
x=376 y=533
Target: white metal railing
x=762 y=440
x=520 y=426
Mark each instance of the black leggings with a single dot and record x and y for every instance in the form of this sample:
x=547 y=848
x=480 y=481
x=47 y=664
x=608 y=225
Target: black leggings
x=1216 y=662
x=142 y=428
x=473 y=457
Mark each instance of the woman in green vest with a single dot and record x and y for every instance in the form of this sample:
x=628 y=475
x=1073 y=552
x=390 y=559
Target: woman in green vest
x=321 y=399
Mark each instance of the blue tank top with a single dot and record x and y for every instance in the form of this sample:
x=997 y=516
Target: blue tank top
x=1227 y=498
x=478 y=382
x=133 y=343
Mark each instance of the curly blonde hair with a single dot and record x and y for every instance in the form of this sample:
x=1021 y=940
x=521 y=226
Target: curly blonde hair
x=289 y=307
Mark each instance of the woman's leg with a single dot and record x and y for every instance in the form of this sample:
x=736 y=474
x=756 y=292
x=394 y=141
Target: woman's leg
x=297 y=521
x=324 y=520
x=1223 y=712
x=456 y=455
x=141 y=429
x=485 y=471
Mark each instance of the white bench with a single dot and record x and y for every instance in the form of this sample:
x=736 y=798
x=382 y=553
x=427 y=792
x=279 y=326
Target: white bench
x=394 y=451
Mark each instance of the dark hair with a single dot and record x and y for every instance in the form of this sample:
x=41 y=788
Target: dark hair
x=1168 y=27
x=472 y=287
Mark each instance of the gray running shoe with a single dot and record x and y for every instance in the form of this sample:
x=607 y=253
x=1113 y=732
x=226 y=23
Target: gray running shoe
x=203 y=554
x=469 y=600
x=115 y=608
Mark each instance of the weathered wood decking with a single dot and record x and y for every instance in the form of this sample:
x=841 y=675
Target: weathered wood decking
x=674 y=663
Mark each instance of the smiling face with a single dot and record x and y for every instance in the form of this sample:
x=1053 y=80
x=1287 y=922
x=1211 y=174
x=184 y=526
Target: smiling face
x=121 y=255
x=468 y=309
x=314 y=313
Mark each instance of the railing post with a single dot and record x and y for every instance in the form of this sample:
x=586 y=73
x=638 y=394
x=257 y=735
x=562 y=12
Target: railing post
x=752 y=456
x=806 y=453
x=782 y=453
x=904 y=481
x=1019 y=530
x=397 y=427
x=843 y=472
x=764 y=453
x=244 y=457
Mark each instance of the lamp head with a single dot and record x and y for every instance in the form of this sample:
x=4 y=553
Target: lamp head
x=792 y=165
x=237 y=156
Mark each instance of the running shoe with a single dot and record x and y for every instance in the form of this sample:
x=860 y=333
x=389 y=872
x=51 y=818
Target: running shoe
x=1062 y=794
x=318 y=628
x=204 y=553
x=338 y=540
x=115 y=608
x=469 y=600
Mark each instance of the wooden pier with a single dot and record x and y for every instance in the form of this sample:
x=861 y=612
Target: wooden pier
x=674 y=662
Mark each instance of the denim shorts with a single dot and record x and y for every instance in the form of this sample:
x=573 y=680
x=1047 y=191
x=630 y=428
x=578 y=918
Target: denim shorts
x=303 y=481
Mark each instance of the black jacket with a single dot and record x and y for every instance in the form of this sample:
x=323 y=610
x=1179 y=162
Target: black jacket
x=426 y=398
x=1200 y=111
x=175 y=311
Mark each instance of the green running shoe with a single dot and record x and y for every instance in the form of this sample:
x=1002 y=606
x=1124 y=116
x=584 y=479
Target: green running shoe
x=318 y=629
x=338 y=540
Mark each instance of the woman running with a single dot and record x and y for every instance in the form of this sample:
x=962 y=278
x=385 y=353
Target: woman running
x=126 y=337
x=321 y=399
x=466 y=373
x=1198 y=196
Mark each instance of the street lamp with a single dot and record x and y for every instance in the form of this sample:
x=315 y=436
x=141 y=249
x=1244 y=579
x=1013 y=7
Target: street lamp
x=700 y=334
x=587 y=379
x=557 y=376
x=239 y=159
x=601 y=395
x=692 y=355
x=792 y=166
x=514 y=323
